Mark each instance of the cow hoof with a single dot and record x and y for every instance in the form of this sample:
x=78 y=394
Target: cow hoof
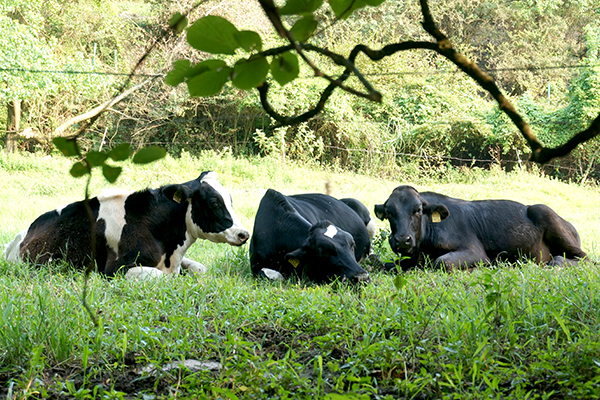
x=270 y=274
x=390 y=267
x=196 y=268
x=557 y=261
x=143 y=273
x=374 y=262
x=362 y=278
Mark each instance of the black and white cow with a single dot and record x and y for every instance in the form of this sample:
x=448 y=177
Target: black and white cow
x=457 y=233
x=143 y=233
x=314 y=235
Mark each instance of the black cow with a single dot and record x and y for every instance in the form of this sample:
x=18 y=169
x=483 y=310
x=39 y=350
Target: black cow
x=458 y=233
x=145 y=233
x=363 y=213
x=314 y=235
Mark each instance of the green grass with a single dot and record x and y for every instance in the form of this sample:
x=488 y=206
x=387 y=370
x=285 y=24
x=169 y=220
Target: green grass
x=510 y=331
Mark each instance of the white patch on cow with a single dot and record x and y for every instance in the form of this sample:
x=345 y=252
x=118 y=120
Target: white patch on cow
x=112 y=211
x=331 y=231
x=12 y=250
x=161 y=265
x=61 y=208
x=271 y=274
x=177 y=257
x=143 y=273
x=232 y=235
x=193 y=266
x=371 y=228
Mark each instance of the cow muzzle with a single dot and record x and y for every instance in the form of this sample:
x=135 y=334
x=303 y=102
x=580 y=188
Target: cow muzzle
x=357 y=277
x=402 y=243
x=237 y=237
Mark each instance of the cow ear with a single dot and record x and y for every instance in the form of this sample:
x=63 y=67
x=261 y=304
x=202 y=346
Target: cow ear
x=177 y=193
x=437 y=212
x=293 y=257
x=380 y=211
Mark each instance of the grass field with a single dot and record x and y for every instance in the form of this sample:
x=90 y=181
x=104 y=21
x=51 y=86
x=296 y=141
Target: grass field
x=509 y=331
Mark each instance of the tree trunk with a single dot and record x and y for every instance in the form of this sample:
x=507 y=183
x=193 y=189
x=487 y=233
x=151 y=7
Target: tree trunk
x=12 y=124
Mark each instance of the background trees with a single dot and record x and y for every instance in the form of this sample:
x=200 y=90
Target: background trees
x=430 y=116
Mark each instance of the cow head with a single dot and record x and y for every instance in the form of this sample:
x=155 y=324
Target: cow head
x=209 y=213
x=328 y=252
x=408 y=214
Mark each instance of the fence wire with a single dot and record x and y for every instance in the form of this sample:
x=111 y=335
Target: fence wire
x=396 y=73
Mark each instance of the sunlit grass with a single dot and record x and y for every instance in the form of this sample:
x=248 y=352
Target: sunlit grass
x=513 y=331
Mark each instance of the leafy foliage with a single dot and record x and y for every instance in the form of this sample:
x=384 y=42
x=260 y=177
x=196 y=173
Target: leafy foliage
x=70 y=148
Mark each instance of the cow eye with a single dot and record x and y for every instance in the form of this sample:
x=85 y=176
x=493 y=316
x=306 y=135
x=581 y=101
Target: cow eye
x=419 y=211
x=213 y=203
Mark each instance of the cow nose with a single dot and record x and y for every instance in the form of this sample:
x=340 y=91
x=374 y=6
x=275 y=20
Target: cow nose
x=403 y=241
x=243 y=236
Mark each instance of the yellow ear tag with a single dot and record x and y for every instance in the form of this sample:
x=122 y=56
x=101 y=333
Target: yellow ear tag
x=294 y=262
x=176 y=198
x=435 y=217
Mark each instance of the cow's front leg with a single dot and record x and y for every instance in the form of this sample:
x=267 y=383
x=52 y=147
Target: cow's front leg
x=192 y=266
x=462 y=259
x=143 y=273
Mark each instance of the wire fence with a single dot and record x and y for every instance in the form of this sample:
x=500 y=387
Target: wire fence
x=391 y=153
x=391 y=73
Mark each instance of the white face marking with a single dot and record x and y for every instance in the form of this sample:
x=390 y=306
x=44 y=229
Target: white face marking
x=232 y=234
x=112 y=211
x=331 y=231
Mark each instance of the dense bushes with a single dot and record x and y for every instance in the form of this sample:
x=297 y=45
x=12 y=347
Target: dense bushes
x=431 y=115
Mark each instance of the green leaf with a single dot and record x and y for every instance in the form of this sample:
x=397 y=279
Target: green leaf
x=213 y=34
x=149 y=154
x=304 y=28
x=208 y=83
x=111 y=173
x=399 y=282
x=207 y=65
x=181 y=69
x=250 y=73
x=78 y=169
x=96 y=158
x=68 y=147
x=284 y=68
x=249 y=40
x=120 y=153
x=178 y=22
x=300 y=7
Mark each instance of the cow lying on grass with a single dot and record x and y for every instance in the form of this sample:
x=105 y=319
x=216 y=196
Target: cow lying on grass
x=314 y=235
x=143 y=233
x=459 y=234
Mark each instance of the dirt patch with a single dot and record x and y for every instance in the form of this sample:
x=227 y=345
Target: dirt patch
x=54 y=383
x=278 y=341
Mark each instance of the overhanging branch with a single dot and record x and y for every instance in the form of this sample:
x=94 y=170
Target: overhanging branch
x=442 y=46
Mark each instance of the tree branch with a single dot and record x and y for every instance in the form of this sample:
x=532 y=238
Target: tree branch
x=273 y=14
x=339 y=60
x=539 y=153
x=442 y=46
x=99 y=109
